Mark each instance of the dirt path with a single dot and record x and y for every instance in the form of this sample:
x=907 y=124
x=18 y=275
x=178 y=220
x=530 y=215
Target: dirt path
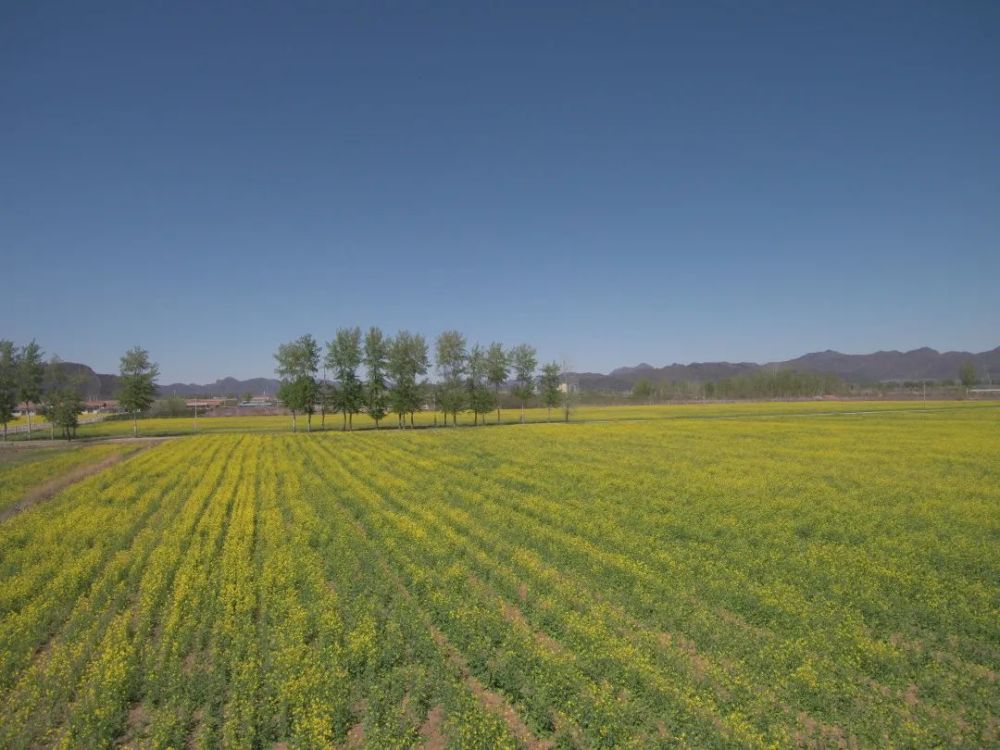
x=144 y=440
x=44 y=491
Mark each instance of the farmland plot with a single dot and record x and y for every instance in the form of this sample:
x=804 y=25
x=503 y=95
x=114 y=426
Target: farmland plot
x=161 y=426
x=718 y=583
x=26 y=471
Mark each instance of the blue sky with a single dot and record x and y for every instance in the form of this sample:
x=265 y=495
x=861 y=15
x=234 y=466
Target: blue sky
x=615 y=183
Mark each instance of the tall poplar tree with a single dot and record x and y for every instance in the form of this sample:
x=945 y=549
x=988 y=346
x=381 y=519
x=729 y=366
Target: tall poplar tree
x=452 y=359
x=407 y=362
x=138 y=383
x=8 y=383
x=480 y=397
x=525 y=361
x=343 y=356
x=376 y=361
x=62 y=402
x=497 y=370
x=549 y=386
x=31 y=375
x=298 y=363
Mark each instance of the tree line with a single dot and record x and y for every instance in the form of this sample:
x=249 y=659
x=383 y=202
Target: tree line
x=381 y=376
x=779 y=383
x=756 y=385
x=26 y=378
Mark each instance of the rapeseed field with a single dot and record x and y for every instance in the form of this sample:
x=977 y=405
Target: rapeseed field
x=772 y=581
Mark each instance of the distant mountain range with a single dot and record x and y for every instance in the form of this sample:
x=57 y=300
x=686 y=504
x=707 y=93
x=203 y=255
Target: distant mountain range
x=918 y=364
x=97 y=386
x=231 y=386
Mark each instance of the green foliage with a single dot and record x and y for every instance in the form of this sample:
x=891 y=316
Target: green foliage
x=408 y=362
x=344 y=357
x=298 y=362
x=452 y=362
x=497 y=370
x=548 y=385
x=299 y=395
x=497 y=365
x=643 y=390
x=8 y=382
x=62 y=408
x=967 y=374
x=525 y=361
x=137 y=382
x=171 y=406
x=778 y=384
x=32 y=372
x=31 y=375
x=327 y=397
x=479 y=397
x=62 y=400
x=376 y=361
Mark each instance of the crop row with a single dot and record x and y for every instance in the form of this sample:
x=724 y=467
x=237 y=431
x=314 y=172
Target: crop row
x=668 y=583
x=709 y=410
x=195 y=598
x=33 y=467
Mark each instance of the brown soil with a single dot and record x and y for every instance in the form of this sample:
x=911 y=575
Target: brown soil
x=199 y=722
x=431 y=730
x=356 y=735
x=136 y=725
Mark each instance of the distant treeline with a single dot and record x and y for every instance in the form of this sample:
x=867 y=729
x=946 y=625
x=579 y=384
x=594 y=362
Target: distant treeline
x=771 y=384
x=756 y=385
x=777 y=384
x=56 y=389
x=381 y=375
x=26 y=379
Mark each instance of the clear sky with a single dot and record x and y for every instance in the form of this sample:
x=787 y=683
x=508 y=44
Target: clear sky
x=613 y=182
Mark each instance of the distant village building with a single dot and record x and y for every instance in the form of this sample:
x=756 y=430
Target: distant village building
x=260 y=402
x=102 y=406
x=989 y=393
x=206 y=403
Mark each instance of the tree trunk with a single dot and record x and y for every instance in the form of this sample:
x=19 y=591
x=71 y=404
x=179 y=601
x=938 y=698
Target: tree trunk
x=28 y=403
x=350 y=422
x=343 y=427
x=411 y=420
x=5 y=432
x=295 y=425
x=309 y=422
x=135 y=424
x=322 y=419
x=498 y=403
